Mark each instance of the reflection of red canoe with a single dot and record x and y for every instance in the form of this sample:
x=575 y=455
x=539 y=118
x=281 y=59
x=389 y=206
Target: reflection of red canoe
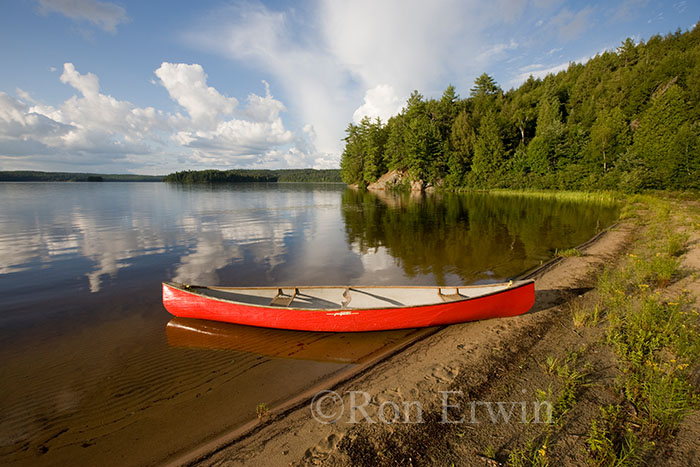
x=347 y=309
x=277 y=343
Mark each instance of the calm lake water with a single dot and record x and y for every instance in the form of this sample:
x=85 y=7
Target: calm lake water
x=94 y=370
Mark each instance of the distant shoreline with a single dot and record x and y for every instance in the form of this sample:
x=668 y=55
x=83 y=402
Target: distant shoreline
x=38 y=176
x=185 y=177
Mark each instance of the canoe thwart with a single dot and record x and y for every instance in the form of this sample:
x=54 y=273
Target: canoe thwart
x=450 y=297
x=283 y=300
x=347 y=297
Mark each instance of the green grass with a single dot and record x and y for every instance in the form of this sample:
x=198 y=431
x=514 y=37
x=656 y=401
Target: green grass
x=605 y=197
x=568 y=253
x=655 y=336
x=610 y=443
x=533 y=454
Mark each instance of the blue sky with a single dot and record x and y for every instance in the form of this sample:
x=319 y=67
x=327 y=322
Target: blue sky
x=153 y=87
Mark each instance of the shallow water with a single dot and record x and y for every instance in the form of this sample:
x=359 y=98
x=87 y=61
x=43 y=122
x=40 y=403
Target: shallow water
x=91 y=370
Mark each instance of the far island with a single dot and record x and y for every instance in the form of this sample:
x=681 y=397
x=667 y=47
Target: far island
x=264 y=176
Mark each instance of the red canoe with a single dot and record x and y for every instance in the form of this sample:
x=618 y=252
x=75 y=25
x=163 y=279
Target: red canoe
x=348 y=309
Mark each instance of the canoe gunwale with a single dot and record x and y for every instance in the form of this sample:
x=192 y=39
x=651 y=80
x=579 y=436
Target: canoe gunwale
x=187 y=288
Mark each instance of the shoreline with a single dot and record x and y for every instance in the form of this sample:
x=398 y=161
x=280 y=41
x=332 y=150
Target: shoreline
x=292 y=435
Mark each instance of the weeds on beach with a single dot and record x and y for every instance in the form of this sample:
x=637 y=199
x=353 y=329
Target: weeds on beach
x=652 y=327
x=568 y=252
x=656 y=337
x=261 y=410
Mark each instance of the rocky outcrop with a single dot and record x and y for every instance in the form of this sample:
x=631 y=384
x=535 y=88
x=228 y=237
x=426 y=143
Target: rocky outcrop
x=389 y=180
x=397 y=178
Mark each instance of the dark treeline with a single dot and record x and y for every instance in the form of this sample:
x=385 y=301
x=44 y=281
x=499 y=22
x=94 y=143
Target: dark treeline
x=33 y=176
x=627 y=120
x=241 y=175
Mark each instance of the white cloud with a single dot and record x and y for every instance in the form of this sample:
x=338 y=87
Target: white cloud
x=100 y=124
x=19 y=123
x=105 y=15
x=93 y=128
x=238 y=137
x=497 y=50
x=380 y=101
x=538 y=70
x=187 y=85
x=254 y=130
x=88 y=84
x=25 y=96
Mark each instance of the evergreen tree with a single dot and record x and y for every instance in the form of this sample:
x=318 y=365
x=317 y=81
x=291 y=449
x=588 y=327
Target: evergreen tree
x=351 y=163
x=655 y=143
x=484 y=86
x=394 y=156
x=462 y=137
x=489 y=153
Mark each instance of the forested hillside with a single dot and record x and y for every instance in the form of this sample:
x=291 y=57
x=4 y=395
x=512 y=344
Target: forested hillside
x=628 y=120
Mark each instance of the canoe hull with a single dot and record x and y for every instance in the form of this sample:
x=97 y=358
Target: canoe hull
x=515 y=300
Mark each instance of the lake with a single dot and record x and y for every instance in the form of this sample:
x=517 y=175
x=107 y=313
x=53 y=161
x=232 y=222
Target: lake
x=95 y=371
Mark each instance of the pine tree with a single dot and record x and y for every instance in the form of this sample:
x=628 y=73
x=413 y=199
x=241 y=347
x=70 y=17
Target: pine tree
x=489 y=152
x=655 y=140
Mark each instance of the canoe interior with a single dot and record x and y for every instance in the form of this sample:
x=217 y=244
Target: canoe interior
x=328 y=298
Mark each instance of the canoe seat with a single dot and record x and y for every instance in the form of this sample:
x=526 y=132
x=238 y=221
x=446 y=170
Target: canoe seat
x=450 y=297
x=283 y=300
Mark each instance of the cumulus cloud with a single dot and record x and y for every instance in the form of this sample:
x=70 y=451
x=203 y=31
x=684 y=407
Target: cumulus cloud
x=99 y=123
x=187 y=85
x=380 y=102
x=263 y=108
x=252 y=131
x=20 y=124
x=92 y=127
x=105 y=15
